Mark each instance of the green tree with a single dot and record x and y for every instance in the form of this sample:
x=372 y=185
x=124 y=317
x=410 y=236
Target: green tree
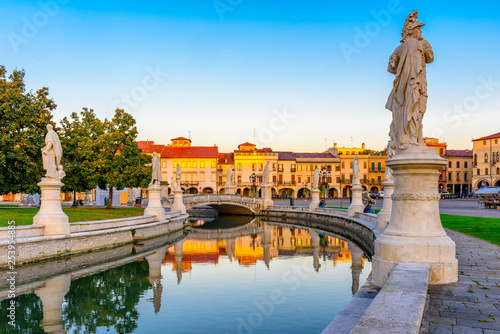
x=23 y=119
x=121 y=161
x=80 y=143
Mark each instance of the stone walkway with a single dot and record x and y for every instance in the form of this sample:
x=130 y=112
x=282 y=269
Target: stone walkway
x=472 y=305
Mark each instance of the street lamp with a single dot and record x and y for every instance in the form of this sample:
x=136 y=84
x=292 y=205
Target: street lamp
x=253 y=179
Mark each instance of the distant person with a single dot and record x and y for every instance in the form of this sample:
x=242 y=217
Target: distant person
x=322 y=204
x=368 y=208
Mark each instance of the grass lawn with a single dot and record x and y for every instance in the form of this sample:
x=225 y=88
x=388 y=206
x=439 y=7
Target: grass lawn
x=78 y=214
x=483 y=228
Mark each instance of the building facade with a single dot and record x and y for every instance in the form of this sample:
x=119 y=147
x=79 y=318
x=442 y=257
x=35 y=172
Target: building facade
x=486 y=161
x=459 y=171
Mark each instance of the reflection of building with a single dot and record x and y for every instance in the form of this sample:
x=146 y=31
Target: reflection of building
x=486 y=161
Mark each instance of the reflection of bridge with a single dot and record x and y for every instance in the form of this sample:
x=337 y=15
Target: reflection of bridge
x=225 y=203
x=254 y=227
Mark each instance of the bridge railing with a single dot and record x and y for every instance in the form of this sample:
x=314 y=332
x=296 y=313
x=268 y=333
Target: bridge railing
x=221 y=197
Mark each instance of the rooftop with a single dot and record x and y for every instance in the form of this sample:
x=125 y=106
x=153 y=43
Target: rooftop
x=496 y=135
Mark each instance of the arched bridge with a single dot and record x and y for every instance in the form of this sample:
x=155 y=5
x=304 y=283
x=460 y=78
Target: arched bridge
x=224 y=203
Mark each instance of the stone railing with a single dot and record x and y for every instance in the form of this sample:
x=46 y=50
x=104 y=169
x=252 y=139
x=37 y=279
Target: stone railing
x=221 y=197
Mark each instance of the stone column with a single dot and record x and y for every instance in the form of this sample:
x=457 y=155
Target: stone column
x=415 y=233
x=178 y=259
x=178 y=205
x=315 y=200
x=52 y=298
x=315 y=246
x=154 y=204
x=357 y=201
x=88 y=198
x=51 y=214
x=230 y=248
x=384 y=214
x=154 y=277
x=356 y=265
x=266 y=194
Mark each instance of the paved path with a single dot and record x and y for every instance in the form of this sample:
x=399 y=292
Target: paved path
x=472 y=305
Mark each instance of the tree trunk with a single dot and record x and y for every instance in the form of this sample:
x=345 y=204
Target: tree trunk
x=110 y=198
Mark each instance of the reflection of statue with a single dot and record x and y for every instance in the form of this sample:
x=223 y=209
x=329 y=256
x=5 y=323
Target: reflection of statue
x=229 y=177
x=315 y=179
x=176 y=182
x=355 y=171
x=408 y=98
x=266 y=174
x=155 y=170
x=51 y=153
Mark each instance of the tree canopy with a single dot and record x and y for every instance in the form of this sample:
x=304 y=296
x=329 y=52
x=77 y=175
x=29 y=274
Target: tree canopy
x=23 y=119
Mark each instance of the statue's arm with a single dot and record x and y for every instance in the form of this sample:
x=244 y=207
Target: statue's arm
x=393 y=61
x=148 y=165
x=428 y=53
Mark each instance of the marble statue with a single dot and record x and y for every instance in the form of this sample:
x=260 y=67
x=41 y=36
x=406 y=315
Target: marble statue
x=315 y=179
x=52 y=153
x=155 y=170
x=408 y=98
x=176 y=182
x=355 y=171
x=60 y=172
x=390 y=153
x=229 y=177
x=266 y=174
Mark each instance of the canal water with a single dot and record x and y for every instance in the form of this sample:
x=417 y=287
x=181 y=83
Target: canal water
x=226 y=275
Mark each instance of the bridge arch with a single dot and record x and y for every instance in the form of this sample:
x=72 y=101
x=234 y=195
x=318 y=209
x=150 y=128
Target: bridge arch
x=225 y=203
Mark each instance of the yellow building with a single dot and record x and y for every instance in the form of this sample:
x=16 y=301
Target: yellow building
x=486 y=161
x=459 y=171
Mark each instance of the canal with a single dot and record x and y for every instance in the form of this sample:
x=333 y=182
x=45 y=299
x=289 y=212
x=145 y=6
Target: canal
x=230 y=274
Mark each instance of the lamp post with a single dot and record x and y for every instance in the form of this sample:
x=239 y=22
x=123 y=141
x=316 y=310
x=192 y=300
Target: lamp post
x=252 y=179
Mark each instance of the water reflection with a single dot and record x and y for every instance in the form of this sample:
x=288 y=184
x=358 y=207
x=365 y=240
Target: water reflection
x=122 y=295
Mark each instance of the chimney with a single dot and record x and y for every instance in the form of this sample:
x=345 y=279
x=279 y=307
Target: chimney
x=363 y=146
x=334 y=145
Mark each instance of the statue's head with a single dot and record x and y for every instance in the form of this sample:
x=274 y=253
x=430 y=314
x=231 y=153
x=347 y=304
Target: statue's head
x=412 y=27
x=155 y=154
x=49 y=127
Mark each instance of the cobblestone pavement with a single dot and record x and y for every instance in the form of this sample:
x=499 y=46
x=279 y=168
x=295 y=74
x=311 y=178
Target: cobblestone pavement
x=472 y=305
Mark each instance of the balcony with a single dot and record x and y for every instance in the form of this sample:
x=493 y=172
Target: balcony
x=292 y=170
x=287 y=183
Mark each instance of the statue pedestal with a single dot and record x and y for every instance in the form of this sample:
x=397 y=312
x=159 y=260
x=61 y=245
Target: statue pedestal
x=88 y=198
x=385 y=213
x=51 y=214
x=51 y=297
x=267 y=195
x=178 y=205
x=230 y=190
x=315 y=200
x=154 y=203
x=357 y=201
x=415 y=233
x=25 y=201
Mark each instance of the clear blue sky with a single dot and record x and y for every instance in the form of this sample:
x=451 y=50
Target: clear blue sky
x=232 y=65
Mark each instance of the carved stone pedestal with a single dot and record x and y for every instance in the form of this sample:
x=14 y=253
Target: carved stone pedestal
x=384 y=214
x=154 y=204
x=88 y=198
x=178 y=204
x=415 y=233
x=52 y=299
x=230 y=190
x=51 y=214
x=357 y=201
x=315 y=200
x=267 y=195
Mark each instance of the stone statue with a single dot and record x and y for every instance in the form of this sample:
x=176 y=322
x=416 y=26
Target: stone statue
x=266 y=174
x=60 y=172
x=390 y=153
x=176 y=182
x=408 y=98
x=155 y=170
x=355 y=171
x=315 y=179
x=230 y=177
x=52 y=153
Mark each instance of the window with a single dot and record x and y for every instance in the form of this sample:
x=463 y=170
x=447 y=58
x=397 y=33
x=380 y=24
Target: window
x=239 y=165
x=183 y=164
x=308 y=179
x=163 y=164
x=379 y=179
x=213 y=164
x=449 y=176
x=440 y=151
x=484 y=142
x=350 y=165
x=350 y=176
x=202 y=177
x=465 y=177
x=202 y=164
x=475 y=159
x=449 y=164
x=466 y=164
x=379 y=166
x=486 y=157
x=299 y=179
x=299 y=168
x=373 y=166
x=364 y=164
x=486 y=171
x=292 y=168
x=329 y=168
x=213 y=177
x=498 y=170
x=188 y=164
x=261 y=165
x=496 y=141
x=195 y=164
x=274 y=167
x=458 y=164
x=338 y=179
x=164 y=176
x=280 y=167
x=478 y=171
x=343 y=165
x=308 y=168
x=458 y=176
x=337 y=168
